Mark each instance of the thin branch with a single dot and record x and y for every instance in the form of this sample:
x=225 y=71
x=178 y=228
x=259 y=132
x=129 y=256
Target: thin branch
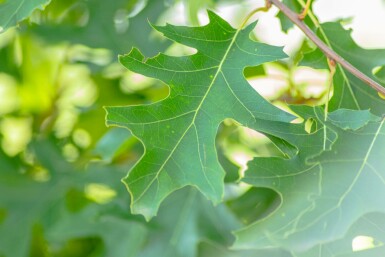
x=294 y=17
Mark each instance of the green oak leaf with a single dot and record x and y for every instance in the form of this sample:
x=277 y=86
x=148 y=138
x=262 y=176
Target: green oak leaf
x=19 y=193
x=349 y=119
x=210 y=249
x=205 y=88
x=25 y=203
x=184 y=220
x=337 y=177
x=365 y=238
x=13 y=11
x=254 y=204
x=349 y=91
x=296 y=6
x=113 y=20
x=232 y=170
x=121 y=236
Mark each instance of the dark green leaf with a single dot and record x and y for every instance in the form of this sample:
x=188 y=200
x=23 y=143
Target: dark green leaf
x=205 y=88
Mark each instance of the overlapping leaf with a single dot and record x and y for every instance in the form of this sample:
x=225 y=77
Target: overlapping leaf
x=13 y=11
x=365 y=238
x=185 y=219
x=349 y=91
x=26 y=203
x=337 y=177
x=205 y=88
x=209 y=249
x=112 y=25
x=296 y=6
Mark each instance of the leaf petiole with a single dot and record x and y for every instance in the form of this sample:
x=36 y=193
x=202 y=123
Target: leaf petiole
x=305 y=10
x=259 y=9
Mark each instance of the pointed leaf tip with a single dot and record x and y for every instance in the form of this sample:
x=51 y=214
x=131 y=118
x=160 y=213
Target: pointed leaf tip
x=213 y=17
x=133 y=54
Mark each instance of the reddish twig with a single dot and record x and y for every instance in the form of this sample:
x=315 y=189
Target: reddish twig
x=294 y=17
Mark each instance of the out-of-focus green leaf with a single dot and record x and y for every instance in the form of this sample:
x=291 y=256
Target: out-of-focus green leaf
x=209 y=249
x=286 y=24
x=255 y=204
x=324 y=189
x=34 y=68
x=8 y=165
x=205 y=88
x=295 y=6
x=122 y=236
x=379 y=73
x=13 y=11
x=111 y=143
x=232 y=170
x=41 y=200
x=185 y=219
x=104 y=24
x=194 y=7
x=365 y=238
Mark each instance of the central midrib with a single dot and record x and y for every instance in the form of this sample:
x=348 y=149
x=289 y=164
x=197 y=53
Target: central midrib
x=195 y=115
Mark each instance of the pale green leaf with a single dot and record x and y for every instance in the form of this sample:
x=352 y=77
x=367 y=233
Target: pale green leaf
x=365 y=238
x=209 y=249
x=349 y=119
x=103 y=24
x=337 y=177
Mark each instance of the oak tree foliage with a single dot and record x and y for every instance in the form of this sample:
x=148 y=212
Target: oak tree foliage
x=125 y=135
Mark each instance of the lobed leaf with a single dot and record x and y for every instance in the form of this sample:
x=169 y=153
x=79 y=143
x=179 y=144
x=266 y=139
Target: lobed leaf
x=205 y=88
x=337 y=177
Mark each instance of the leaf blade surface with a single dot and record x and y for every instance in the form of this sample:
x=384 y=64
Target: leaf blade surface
x=205 y=88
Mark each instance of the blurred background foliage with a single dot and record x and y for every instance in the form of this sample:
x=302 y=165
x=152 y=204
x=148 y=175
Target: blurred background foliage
x=60 y=166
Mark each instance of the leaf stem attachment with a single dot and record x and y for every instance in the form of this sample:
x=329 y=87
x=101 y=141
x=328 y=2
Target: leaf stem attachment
x=260 y=9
